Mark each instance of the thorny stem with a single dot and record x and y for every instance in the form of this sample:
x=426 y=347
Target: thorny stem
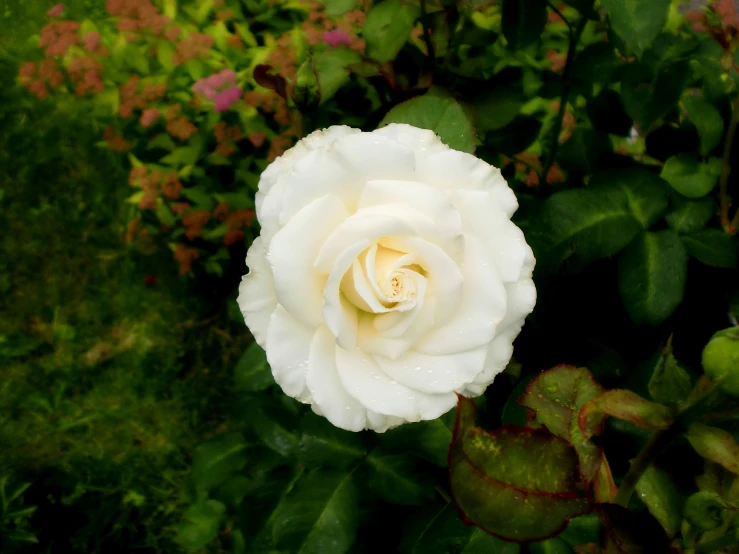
x=723 y=183
x=427 y=38
x=566 y=86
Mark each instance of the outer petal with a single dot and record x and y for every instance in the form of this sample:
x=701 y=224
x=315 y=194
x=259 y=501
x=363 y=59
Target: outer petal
x=288 y=353
x=364 y=380
x=482 y=308
x=292 y=253
x=326 y=389
x=453 y=171
x=257 y=298
x=423 y=142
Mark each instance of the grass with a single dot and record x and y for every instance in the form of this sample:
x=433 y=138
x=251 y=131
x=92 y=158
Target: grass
x=106 y=382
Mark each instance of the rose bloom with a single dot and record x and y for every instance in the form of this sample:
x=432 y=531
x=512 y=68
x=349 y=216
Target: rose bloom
x=387 y=276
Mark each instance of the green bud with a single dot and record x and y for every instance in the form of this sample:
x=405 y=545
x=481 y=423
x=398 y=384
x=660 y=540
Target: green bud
x=704 y=510
x=307 y=89
x=721 y=360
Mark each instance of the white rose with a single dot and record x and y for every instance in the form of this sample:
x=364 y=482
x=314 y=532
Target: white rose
x=387 y=277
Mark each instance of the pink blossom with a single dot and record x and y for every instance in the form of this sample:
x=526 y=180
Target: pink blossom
x=56 y=11
x=149 y=116
x=226 y=98
x=335 y=38
x=91 y=41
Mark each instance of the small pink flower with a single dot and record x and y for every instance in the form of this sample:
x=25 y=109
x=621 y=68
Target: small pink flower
x=149 y=116
x=91 y=41
x=56 y=11
x=337 y=37
x=228 y=97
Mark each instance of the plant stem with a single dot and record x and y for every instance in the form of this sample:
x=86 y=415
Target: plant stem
x=723 y=183
x=717 y=544
x=427 y=38
x=654 y=446
x=566 y=86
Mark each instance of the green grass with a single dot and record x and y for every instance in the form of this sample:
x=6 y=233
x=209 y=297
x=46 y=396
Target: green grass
x=106 y=382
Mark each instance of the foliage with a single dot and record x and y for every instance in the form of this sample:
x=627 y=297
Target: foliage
x=612 y=120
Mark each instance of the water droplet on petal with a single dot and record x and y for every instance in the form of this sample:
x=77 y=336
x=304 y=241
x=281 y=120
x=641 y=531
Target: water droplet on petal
x=417 y=368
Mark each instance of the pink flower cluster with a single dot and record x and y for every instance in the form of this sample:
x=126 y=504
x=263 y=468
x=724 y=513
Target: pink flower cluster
x=337 y=37
x=220 y=88
x=56 y=11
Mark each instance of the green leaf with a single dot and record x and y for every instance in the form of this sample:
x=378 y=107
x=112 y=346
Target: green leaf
x=496 y=107
x=715 y=445
x=319 y=515
x=322 y=444
x=162 y=140
x=651 y=276
x=708 y=120
x=196 y=69
x=687 y=216
x=515 y=137
x=399 y=479
x=387 y=28
x=516 y=483
x=554 y=399
x=233 y=491
x=663 y=500
x=331 y=67
x=137 y=59
x=523 y=21
x=428 y=439
x=646 y=193
x=670 y=384
x=649 y=93
x=550 y=546
x=216 y=460
x=705 y=510
x=441 y=114
x=439 y=530
x=274 y=428
x=626 y=405
x=583 y=150
x=165 y=51
x=200 y=197
x=582 y=530
x=252 y=373
x=164 y=214
x=584 y=225
x=339 y=7
x=712 y=247
x=690 y=177
x=201 y=524
x=637 y=22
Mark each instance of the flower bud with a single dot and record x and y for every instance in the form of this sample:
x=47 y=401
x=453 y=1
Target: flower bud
x=307 y=90
x=721 y=360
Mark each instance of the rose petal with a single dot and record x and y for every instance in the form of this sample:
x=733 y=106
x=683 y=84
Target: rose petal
x=423 y=142
x=292 y=252
x=326 y=389
x=257 y=298
x=288 y=353
x=365 y=381
x=368 y=156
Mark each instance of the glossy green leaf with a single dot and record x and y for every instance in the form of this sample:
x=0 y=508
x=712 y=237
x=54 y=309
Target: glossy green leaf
x=387 y=28
x=496 y=107
x=319 y=514
x=440 y=113
x=252 y=373
x=687 y=216
x=399 y=479
x=427 y=439
x=201 y=524
x=670 y=384
x=626 y=405
x=517 y=483
x=323 y=444
x=646 y=193
x=440 y=530
x=274 y=426
x=331 y=67
x=712 y=247
x=708 y=120
x=584 y=225
x=216 y=460
x=554 y=399
x=662 y=498
x=523 y=21
x=651 y=276
x=716 y=445
x=650 y=93
x=270 y=487
x=690 y=177
x=637 y=22
x=550 y=546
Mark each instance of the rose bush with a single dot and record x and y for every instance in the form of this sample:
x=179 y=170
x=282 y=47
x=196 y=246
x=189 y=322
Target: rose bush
x=387 y=276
